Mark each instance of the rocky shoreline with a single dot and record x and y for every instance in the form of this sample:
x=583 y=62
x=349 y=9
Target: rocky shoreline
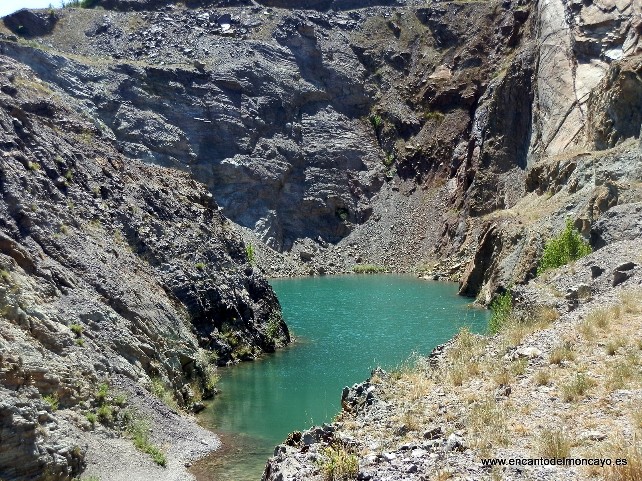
x=481 y=397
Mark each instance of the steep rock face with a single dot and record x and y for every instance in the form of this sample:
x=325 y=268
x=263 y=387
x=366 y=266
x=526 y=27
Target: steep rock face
x=32 y=444
x=578 y=43
x=274 y=109
x=252 y=119
x=584 y=92
x=313 y=122
x=107 y=266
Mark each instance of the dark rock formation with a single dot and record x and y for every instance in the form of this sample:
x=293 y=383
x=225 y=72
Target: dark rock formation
x=107 y=267
x=31 y=24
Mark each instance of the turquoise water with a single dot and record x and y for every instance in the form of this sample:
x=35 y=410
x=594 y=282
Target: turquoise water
x=344 y=327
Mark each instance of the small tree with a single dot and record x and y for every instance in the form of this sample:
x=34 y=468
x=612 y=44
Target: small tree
x=568 y=246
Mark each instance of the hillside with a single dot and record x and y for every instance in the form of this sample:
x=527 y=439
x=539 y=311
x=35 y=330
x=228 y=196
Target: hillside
x=113 y=273
x=160 y=158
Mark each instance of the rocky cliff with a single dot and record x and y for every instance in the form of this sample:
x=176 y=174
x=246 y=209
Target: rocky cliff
x=384 y=134
x=109 y=268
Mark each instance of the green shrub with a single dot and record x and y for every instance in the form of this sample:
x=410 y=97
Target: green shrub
x=389 y=160
x=376 y=121
x=76 y=329
x=105 y=413
x=502 y=307
x=339 y=465
x=52 y=400
x=91 y=417
x=5 y=275
x=200 y=265
x=273 y=326
x=211 y=379
x=566 y=247
x=368 y=269
x=434 y=115
x=249 y=252
x=101 y=393
x=160 y=390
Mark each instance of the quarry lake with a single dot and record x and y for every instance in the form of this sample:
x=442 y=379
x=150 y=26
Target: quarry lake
x=344 y=327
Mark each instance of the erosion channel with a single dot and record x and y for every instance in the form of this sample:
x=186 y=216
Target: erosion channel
x=344 y=327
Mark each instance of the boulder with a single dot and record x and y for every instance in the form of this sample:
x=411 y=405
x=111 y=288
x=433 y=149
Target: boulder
x=28 y=23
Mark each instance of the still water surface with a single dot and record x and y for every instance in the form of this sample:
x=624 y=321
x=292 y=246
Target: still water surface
x=344 y=326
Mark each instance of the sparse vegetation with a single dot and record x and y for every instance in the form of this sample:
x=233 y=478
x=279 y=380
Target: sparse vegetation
x=502 y=307
x=249 y=252
x=5 y=275
x=92 y=417
x=206 y=364
x=554 y=444
x=632 y=452
x=434 y=115
x=342 y=213
x=516 y=328
x=568 y=246
x=368 y=269
x=487 y=420
x=464 y=357
x=139 y=431
x=52 y=400
x=338 y=464
x=200 y=265
x=273 y=326
x=577 y=388
x=78 y=3
x=376 y=121
x=160 y=390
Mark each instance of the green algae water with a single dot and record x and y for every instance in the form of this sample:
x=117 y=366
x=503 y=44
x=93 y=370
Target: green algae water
x=344 y=327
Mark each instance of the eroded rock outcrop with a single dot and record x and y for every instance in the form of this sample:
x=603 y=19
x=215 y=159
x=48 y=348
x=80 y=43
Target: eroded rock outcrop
x=107 y=267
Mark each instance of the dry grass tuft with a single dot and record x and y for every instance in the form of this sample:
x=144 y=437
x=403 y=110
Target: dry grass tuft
x=630 y=301
x=542 y=377
x=487 y=422
x=577 y=388
x=632 y=471
x=554 y=444
x=598 y=318
x=562 y=353
x=463 y=359
x=517 y=328
x=613 y=345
